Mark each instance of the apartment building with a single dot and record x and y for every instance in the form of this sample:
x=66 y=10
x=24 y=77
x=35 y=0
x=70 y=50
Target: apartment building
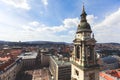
x=9 y=69
x=60 y=68
x=29 y=59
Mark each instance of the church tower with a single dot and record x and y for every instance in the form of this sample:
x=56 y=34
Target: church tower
x=84 y=63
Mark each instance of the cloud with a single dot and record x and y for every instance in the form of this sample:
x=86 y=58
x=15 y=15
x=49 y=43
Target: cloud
x=91 y=19
x=40 y=31
x=34 y=23
x=10 y=25
x=108 y=29
x=35 y=30
x=68 y=23
x=18 y=3
x=64 y=32
x=45 y=2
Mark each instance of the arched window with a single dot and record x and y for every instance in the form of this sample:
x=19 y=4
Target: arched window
x=90 y=53
x=78 y=52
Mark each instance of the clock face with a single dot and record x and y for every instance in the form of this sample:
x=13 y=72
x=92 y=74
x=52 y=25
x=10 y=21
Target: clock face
x=78 y=36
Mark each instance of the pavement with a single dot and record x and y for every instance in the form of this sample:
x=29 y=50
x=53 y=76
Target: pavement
x=36 y=74
x=41 y=74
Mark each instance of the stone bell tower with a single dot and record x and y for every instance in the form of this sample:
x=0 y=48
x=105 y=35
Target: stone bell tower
x=84 y=63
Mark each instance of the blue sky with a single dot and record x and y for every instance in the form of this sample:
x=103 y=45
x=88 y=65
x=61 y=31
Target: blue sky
x=57 y=20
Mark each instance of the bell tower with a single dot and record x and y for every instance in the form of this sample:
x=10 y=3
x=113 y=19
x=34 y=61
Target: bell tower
x=84 y=63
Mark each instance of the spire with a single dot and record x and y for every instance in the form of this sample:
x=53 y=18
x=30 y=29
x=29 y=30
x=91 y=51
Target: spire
x=83 y=15
x=84 y=25
x=83 y=10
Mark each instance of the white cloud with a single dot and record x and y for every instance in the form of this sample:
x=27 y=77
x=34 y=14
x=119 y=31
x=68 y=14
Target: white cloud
x=64 y=32
x=10 y=25
x=91 y=19
x=38 y=31
x=45 y=2
x=18 y=3
x=68 y=23
x=34 y=23
x=108 y=29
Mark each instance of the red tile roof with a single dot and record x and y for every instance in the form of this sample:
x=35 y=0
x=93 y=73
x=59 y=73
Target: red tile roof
x=107 y=77
x=110 y=74
x=3 y=66
x=6 y=58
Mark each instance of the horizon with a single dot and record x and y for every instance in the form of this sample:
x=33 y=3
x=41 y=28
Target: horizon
x=56 y=21
x=60 y=42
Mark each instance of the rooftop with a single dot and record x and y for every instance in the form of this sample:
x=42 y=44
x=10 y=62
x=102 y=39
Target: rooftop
x=5 y=66
x=61 y=61
x=111 y=74
x=6 y=58
x=29 y=55
x=111 y=59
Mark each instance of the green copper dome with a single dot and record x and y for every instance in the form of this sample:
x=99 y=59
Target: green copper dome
x=84 y=25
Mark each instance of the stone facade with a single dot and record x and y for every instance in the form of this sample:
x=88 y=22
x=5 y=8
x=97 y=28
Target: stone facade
x=84 y=62
x=10 y=71
x=60 y=69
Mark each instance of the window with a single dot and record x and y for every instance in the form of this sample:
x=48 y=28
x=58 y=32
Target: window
x=77 y=72
x=77 y=52
x=90 y=52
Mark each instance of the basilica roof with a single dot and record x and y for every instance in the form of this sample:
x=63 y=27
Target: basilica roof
x=84 y=25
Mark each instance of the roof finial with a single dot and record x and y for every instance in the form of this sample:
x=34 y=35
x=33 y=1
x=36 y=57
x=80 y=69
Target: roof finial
x=83 y=9
x=83 y=15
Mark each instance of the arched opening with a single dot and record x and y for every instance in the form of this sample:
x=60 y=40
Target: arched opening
x=78 y=52
x=90 y=53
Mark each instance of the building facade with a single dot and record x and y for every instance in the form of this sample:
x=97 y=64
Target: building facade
x=59 y=69
x=84 y=63
x=9 y=70
x=44 y=58
x=28 y=60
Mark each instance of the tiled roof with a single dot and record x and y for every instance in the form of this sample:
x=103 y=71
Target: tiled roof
x=4 y=58
x=107 y=77
x=3 y=66
x=111 y=74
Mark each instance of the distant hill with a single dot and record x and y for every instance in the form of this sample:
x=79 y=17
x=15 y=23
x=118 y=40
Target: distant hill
x=99 y=46
x=108 y=46
x=32 y=43
x=45 y=42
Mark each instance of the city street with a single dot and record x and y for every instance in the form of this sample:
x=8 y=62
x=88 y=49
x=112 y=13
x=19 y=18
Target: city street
x=40 y=74
x=37 y=74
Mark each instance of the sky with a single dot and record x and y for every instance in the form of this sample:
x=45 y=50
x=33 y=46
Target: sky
x=57 y=20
